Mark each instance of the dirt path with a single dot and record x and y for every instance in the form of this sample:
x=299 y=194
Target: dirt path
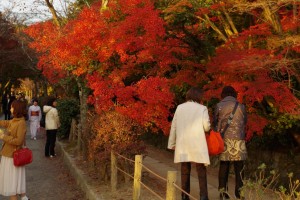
x=48 y=179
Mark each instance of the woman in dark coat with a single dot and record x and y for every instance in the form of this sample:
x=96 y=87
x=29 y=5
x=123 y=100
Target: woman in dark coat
x=234 y=138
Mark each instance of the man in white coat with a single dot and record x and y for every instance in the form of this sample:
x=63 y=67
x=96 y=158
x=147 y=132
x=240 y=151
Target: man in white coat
x=34 y=117
x=187 y=138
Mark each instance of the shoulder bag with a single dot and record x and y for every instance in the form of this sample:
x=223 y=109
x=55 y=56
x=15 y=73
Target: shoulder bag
x=214 y=139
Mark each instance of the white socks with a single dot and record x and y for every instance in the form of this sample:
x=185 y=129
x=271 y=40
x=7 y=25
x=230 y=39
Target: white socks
x=25 y=198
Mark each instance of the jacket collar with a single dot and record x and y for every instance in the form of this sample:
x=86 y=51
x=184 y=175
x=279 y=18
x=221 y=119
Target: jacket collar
x=17 y=119
x=229 y=98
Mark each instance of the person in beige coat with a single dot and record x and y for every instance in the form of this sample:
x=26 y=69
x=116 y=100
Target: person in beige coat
x=52 y=124
x=12 y=178
x=187 y=138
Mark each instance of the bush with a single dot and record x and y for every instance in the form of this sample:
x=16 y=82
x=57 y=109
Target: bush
x=68 y=108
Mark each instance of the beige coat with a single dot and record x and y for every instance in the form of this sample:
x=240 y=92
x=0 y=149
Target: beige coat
x=15 y=135
x=52 y=118
x=187 y=134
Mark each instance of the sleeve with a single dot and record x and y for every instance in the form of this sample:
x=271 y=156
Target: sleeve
x=56 y=118
x=4 y=123
x=172 y=136
x=205 y=120
x=21 y=130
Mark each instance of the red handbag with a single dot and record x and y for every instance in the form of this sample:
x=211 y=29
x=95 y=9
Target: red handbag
x=215 y=143
x=22 y=157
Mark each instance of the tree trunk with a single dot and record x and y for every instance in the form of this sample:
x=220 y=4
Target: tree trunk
x=272 y=17
x=53 y=12
x=83 y=116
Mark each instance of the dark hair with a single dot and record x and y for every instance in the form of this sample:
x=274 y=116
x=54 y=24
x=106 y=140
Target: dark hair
x=34 y=100
x=228 y=91
x=194 y=94
x=19 y=108
x=50 y=101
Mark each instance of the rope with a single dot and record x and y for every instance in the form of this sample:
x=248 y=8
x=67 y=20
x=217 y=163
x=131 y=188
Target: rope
x=150 y=190
x=124 y=157
x=125 y=173
x=162 y=178
x=179 y=188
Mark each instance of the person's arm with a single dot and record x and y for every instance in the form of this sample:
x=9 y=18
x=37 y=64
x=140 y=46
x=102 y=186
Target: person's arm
x=21 y=130
x=56 y=117
x=4 y=123
x=205 y=120
x=172 y=136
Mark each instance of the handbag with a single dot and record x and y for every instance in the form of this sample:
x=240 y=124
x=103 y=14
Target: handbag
x=215 y=143
x=22 y=157
x=214 y=139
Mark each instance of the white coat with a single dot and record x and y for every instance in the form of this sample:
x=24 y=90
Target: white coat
x=187 y=135
x=52 y=118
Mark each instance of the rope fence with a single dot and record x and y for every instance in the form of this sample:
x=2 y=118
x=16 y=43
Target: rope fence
x=170 y=181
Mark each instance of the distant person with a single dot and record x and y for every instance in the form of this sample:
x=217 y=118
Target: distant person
x=6 y=103
x=52 y=124
x=234 y=138
x=12 y=178
x=34 y=117
x=187 y=138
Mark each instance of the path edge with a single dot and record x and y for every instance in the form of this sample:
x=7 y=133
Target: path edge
x=77 y=174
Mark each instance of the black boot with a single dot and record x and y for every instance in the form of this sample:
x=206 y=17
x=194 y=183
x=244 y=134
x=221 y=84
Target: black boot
x=204 y=198
x=224 y=196
x=185 y=197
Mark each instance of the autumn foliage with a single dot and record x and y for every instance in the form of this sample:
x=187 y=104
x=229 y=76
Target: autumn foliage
x=133 y=55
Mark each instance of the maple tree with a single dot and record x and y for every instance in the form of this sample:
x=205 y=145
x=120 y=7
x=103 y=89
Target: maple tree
x=133 y=54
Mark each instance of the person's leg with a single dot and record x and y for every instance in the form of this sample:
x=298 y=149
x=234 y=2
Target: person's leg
x=239 y=175
x=52 y=142
x=185 y=179
x=202 y=178
x=223 y=178
x=32 y=124
x=47 y=146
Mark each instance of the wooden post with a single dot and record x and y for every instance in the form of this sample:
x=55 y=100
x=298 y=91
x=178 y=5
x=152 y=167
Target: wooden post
x=171 y=190
x=114 y=172
x=137 y=177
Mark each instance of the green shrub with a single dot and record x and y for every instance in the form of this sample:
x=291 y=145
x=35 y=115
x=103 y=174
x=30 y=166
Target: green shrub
x=68 y=108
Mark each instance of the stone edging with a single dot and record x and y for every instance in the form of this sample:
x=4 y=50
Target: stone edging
x=77 y=174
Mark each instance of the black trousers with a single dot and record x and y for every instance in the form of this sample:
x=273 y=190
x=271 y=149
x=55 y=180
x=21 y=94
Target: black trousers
x=224 y=172
x=50 y=142
x=185 y=178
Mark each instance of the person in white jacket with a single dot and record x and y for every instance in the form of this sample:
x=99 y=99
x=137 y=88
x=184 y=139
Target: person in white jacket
x=52 y=124
x=187 y=138
x=34 y=117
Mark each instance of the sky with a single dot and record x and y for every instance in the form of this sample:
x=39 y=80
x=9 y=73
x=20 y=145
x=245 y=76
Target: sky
x=31 y=11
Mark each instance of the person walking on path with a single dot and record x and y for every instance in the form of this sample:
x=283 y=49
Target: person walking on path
x=52 y=124
x=12 y=178
x=34 y=117
x=187 y=138
x=234 y=138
